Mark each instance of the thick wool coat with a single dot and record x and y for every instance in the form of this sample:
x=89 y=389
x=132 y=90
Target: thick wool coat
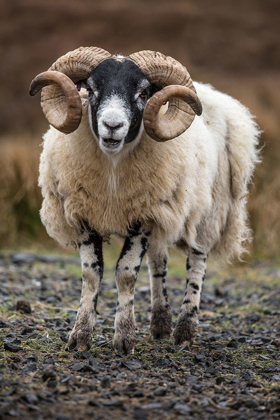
x=190 y=191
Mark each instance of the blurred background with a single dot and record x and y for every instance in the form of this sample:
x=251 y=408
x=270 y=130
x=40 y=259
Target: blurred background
x=231 y=44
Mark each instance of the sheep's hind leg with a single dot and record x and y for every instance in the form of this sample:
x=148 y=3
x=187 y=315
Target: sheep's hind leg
x=92 y=271
x=135 y=246
x=161 y=320
x=186 y=326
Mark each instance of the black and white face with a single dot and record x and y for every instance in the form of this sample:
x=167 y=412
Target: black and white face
x=117 y=92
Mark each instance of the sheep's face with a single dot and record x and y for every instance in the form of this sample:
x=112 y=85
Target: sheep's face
x=117 y=94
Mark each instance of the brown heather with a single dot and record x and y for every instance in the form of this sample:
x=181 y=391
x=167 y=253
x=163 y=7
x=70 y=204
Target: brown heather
x=20 y=197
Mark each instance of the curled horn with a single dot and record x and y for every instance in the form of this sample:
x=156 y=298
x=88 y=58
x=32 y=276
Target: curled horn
x=60 y=99
x=178 y=90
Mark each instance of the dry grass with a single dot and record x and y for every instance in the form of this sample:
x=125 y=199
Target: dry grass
x=20 y=197
x=264 y=203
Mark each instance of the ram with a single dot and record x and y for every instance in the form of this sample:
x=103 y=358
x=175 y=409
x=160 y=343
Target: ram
x=108 y=169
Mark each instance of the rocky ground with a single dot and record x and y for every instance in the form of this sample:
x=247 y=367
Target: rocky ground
x=232 y=371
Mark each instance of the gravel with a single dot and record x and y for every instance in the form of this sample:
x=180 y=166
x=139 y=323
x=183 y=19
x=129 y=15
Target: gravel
x=231 y=371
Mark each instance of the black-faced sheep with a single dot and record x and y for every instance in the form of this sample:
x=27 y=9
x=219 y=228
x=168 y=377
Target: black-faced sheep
x=102 y=173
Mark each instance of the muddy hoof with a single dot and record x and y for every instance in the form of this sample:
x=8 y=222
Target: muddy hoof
x=185 y=330
x=161 y=323
x=124 y=344
x=79 y=340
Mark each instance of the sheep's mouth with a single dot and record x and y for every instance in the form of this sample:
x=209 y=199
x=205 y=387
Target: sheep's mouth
x=111 y=143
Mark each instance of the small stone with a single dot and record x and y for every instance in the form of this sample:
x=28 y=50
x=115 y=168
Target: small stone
x=49 y=361
x=52 y=383
x=86 y=355
x=27 y=330
x=105 y=382
x=63 y=417
x=160 y=392
x=66 y=379
x=30 y=367
x=114 y=366
x=162 y=362
x=91 y=369
x=262 y=356
x=199 y=357
x=4 y=324
x=131 y=364
x=138 y=394
x=32 y=357
x=232 y=344
x=182 y=408
x=251 y=404
x=253 y=317
x=30 y=398
x=113 y=403
x=23 y=306
x=241 y=339
x=53 y=299
x=140 y=415
x=14 y=340
x=152 y=406
x=64 y=337
x=23 y=258
x=78 y=367
x=93 y=403
x=12 y=347
x=220 y=380
x=48 y=374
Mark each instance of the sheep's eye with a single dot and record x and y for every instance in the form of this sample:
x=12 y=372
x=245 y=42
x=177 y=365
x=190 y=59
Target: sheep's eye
x=144 y=94
x=92 y=92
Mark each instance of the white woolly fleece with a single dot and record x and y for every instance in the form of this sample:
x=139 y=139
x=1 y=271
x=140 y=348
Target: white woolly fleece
x=192 y=188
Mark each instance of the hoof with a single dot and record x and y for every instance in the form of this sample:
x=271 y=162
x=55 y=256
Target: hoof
x=185 y=330
x=124 y=344
x=79 y=340
x=161 y=323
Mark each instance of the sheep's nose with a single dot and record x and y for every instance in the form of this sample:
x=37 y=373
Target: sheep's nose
x=113 y=125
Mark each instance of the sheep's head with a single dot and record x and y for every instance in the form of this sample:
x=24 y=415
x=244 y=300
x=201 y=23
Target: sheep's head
x=122 y=92
x=117 y=94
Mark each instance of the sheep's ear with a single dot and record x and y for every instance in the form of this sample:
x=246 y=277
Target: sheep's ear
x=155 y=88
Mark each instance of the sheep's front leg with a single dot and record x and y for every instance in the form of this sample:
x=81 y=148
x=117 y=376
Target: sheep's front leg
x=161 y=320
x=186 y=327
x=135 y=246
x=92 y=272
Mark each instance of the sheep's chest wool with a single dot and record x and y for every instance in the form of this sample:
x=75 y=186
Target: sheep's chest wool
x=89 y=186
x=115 y=164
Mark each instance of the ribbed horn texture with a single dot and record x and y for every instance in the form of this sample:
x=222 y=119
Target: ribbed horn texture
x=60 y=99
x=183 y=102
x=64 y=112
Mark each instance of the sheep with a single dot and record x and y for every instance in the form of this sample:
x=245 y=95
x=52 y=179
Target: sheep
x=108 y=169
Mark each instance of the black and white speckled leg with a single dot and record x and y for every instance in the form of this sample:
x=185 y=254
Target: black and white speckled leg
x=90 y=246
x=186 y=326
x=135 y=246
x=161 y=320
